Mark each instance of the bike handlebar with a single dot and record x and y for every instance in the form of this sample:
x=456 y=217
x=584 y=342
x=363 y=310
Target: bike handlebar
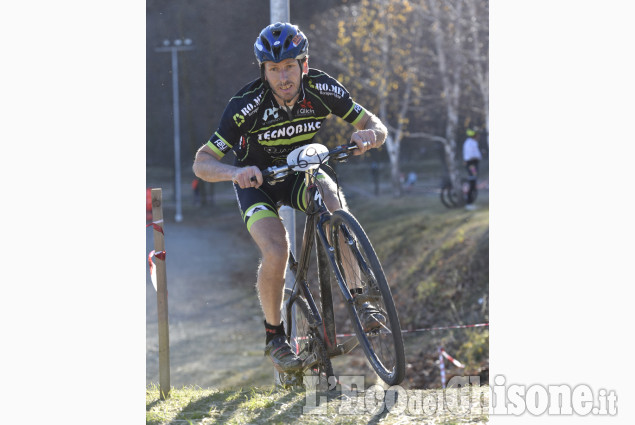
x=338 y=153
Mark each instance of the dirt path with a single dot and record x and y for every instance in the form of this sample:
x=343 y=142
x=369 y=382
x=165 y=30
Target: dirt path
x=216 y=336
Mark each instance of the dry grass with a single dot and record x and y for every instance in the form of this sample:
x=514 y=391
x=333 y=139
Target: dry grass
x=269 y=405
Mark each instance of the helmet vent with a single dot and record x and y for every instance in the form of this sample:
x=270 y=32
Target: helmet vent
x=287 y=42
x=276 y=51
x=265 y=42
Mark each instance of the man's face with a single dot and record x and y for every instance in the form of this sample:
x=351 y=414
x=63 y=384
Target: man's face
x=284 y=79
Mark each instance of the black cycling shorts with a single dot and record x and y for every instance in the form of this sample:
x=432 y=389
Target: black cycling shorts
x=266 y=200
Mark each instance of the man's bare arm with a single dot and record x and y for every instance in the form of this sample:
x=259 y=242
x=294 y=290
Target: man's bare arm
x=369 y=129
x=207 y=166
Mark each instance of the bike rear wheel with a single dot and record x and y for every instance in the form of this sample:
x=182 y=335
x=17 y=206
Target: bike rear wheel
x=308 y=345
x=365 y=279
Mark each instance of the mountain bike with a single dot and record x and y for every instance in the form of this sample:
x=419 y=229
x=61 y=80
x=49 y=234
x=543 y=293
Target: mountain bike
x=344 y=251
x=451 y=198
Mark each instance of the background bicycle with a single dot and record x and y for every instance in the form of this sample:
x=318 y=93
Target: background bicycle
x=456 y=198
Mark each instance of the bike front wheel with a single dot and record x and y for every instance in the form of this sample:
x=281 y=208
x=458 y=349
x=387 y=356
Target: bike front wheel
x=365 y=280
x=449 y=198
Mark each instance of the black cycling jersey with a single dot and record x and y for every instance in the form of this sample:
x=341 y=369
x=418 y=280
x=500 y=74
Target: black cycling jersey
x=262 y=134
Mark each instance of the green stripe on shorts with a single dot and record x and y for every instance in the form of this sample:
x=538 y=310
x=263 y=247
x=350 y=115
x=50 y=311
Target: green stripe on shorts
x=258 y=215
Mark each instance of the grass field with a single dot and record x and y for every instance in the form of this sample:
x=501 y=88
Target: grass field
x=190 y=405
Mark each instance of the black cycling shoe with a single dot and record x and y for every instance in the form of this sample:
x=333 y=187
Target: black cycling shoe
x=282 y=356
x=371 y=318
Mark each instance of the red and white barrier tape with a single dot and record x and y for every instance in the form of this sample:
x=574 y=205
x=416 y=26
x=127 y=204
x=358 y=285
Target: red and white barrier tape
x=450 y=358
x=442 y=368
x=160 y=255
x=442 y=355
x=477 y=325
x=155 y=225
x=153 y=271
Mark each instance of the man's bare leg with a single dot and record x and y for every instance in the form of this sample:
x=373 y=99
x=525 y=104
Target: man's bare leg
x=271 y=237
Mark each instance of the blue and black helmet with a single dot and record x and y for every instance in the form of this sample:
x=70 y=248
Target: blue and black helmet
x=279 y=41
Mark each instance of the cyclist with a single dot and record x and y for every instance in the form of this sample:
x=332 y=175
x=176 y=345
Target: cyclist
x=262 y=123
x=471 y=157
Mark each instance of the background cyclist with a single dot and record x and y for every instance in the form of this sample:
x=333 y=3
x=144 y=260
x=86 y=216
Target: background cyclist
x=471 y=158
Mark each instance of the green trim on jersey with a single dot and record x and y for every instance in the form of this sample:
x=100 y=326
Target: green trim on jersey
x=361 y=114
x=214 y=148
x=250 y=92
x=359 y=117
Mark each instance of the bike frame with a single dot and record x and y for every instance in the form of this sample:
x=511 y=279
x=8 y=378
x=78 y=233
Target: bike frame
x=322 y=320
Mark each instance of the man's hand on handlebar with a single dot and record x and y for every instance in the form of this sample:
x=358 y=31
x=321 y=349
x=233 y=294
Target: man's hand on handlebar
x=248 y=177
x=365 y=140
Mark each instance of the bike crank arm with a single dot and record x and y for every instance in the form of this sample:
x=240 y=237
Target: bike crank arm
x=346 y=346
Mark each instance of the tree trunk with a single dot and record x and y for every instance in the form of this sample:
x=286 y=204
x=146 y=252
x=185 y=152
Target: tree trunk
x=480 y=75
x=393 y=155
x=393 y=142
x=450 y=78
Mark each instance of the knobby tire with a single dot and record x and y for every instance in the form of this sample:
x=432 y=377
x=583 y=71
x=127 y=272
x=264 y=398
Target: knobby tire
x=384 y=349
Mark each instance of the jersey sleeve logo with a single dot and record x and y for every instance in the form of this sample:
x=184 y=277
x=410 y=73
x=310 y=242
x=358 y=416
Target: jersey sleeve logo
x=330 y=90
x=252 y=106
x=239 y=119
x=218 y=144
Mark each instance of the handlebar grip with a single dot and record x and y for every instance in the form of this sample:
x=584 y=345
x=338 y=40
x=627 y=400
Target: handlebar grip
x=267 y=172
x=353 y=146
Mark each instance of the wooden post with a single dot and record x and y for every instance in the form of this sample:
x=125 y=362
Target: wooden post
x=162 y=296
